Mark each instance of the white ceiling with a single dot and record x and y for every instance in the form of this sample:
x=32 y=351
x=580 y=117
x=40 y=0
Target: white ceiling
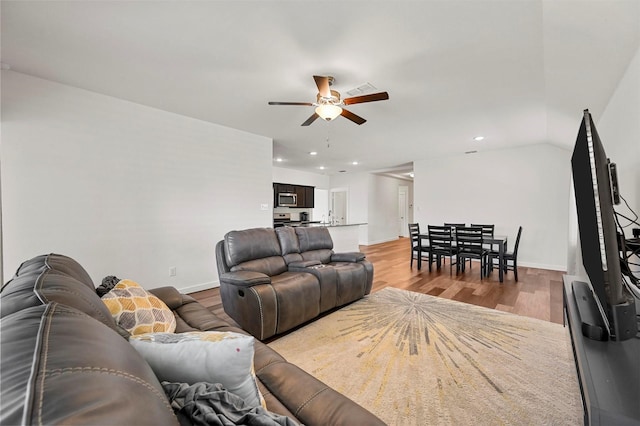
x=517 y=72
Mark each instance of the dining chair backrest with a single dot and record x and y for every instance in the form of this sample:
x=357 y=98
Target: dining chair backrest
x=455 y=225
x=469 y=239
x=517 y=244
x=414 y=232
x=440 y=237
x=487 y=230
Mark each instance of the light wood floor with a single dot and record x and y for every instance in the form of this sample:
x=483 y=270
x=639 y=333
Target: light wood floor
x=537 y=294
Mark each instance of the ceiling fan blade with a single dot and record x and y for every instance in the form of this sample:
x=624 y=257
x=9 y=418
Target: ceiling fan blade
x=353 y=117
x=366 y=98
x=323 y=86
x=291 y=103
x=311 y=119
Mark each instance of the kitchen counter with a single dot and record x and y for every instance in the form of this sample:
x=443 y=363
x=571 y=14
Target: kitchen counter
x=338 y=225
x=346 y=237
x=312 y=223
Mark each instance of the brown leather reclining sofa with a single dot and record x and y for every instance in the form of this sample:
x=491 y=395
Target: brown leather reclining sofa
x=272 y=280
x=64 y=362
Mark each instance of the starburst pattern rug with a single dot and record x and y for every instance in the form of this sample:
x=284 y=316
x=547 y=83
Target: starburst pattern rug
x=414 y=359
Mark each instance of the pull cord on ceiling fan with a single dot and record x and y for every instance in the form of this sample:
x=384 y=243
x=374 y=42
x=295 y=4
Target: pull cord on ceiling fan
x=329 y=105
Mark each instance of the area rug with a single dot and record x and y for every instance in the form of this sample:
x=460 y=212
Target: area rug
x=414 y=359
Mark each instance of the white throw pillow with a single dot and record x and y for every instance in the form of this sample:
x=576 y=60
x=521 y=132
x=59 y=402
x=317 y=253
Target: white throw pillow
x=203 y=356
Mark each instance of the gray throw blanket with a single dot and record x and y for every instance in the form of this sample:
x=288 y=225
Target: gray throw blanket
x=212 y=405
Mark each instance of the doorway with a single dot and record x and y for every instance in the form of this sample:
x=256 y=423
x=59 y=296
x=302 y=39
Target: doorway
x=320 y=210
x=403 y=211
x=339 y=206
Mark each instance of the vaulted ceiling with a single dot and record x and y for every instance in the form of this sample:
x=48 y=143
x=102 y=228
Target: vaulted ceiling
x=515 y=72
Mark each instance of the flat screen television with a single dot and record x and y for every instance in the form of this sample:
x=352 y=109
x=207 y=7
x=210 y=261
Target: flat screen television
x=607 y=308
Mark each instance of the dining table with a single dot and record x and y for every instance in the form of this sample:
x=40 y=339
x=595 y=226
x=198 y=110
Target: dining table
x=496 y=240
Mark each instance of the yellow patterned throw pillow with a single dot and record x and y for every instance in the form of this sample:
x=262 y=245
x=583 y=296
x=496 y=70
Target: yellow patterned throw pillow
x=138 y=311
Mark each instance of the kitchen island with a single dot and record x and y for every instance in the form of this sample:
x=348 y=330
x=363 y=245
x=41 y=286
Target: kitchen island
x=346 y=237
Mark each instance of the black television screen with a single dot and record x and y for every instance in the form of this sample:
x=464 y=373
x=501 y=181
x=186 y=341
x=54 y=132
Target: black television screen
x=594 y=194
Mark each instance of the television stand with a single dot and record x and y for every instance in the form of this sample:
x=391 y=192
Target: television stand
x=608 y=371
x=591 y=322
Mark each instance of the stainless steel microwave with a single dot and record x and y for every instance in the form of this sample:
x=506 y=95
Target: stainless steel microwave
x=287 y=199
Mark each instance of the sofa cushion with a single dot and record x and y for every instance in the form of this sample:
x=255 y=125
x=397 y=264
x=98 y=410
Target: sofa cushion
x=250 y=244
x=206 y=356
x=268 y=265
x=298 y=296
x=314 y=238
x=322 y=255
x=54 y=278
x=60 y=366
x=57 y=262
x=288 y=240
x=138 y=311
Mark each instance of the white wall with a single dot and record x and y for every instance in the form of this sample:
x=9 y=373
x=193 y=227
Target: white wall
x=358 y=200
x=383 y=208
x=124 y=189
x=297 y=177
x=373 y=199
x=357 y=184
x=526 y=186
x=619 y=131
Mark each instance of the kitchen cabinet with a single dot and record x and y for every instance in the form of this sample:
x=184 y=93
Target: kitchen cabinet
x=284 y=187
x=309 y=196
x=305 y=194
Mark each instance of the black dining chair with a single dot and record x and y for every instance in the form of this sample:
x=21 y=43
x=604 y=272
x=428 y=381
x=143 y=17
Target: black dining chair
x=453 y=230
x=487 y=232
x=419 y=245
x=469 y=246
x=441 y=242
x=510 y=257
x=455 y=225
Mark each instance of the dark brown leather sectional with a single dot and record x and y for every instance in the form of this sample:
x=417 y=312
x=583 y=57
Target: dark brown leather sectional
x=64 y=360
x=272 y=280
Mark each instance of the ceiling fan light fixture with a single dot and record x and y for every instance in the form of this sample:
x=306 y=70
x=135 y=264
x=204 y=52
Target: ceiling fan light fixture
x=328 y=112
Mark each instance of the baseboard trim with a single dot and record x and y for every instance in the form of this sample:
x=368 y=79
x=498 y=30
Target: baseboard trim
x=198 y=287
x=540 y=266
x=370 y=243
x=562 y=268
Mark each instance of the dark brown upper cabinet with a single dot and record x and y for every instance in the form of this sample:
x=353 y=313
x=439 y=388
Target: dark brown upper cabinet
x=304 y=194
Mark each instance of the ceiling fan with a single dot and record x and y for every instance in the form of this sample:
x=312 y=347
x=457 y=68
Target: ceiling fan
x=329 y=105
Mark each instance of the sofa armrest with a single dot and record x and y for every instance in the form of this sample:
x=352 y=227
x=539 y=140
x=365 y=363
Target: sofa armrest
x=353 y=256
x=245 y=278
x=169 y=295
x=304 y=264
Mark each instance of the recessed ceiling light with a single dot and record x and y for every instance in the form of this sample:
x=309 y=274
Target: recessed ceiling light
x=478 y=138
x=355 y=163
x=321 y=167
x=279 y=160
x=313 y=153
